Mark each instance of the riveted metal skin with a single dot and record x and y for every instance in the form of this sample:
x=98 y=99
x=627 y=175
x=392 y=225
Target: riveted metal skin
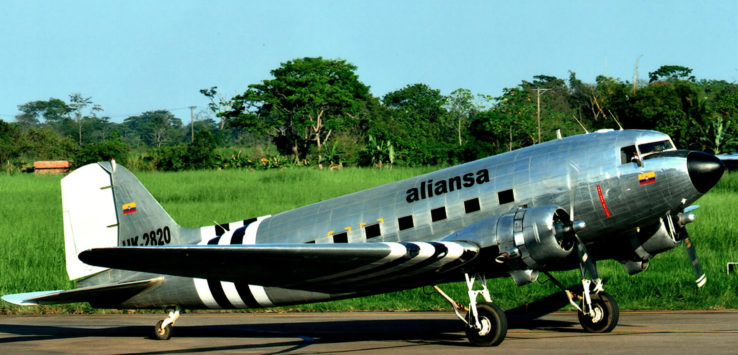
x=524 y=198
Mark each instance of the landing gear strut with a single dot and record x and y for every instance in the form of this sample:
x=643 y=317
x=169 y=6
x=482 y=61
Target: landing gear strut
x=163 y=328
x=598 y=313
x=486 y=323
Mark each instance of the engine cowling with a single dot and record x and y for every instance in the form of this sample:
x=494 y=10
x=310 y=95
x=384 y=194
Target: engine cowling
x=539 y=235
x=527 y=238
x=651 y=240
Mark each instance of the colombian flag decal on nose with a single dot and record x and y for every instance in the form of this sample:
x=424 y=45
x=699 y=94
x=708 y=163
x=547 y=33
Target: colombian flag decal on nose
x=129 y=208
x=647 y=178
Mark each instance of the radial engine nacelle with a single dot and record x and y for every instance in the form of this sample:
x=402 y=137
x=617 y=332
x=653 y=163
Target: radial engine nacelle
x=657 y=238
x=527 y=238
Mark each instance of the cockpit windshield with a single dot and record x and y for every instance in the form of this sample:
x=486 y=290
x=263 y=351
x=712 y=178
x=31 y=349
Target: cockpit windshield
x=655 y=147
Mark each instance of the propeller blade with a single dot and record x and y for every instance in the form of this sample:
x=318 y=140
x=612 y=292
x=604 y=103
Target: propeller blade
x=573 y=173
x=586 y=263
x=692 y=254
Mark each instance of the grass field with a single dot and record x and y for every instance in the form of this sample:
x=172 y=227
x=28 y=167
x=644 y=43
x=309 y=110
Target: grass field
x=32 y=251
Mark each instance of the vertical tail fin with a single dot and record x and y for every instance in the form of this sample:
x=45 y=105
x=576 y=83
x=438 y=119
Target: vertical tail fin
x=104 y=205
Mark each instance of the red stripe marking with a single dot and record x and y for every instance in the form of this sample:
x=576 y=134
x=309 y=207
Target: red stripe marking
x=602 y=201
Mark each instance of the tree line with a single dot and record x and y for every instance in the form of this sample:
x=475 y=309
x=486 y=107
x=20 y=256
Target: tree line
x=317 y=112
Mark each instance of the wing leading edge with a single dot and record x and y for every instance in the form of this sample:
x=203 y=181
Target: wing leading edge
x=315 y=267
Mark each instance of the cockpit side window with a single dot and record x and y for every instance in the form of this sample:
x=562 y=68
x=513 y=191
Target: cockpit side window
x=655 y=147
x=627 y=154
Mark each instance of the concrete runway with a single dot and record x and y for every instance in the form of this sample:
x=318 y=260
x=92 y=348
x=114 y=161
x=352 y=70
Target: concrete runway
x=272 y=333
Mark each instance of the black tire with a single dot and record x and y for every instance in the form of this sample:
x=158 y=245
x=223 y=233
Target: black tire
x=607 y=315
x=494 y=326
x=162 y=334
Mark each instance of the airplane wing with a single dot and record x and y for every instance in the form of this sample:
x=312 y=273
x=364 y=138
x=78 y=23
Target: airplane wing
x=314 y=267
x=102 y=295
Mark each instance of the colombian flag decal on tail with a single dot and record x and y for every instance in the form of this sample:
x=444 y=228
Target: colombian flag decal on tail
x=647 y=178
x=129 y=208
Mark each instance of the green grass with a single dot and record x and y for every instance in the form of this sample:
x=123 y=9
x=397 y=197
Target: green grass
x=32 y=252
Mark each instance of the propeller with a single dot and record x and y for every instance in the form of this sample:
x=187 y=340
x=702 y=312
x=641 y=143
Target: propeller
x=683 y=218
x=573 y=174
x=692 y=254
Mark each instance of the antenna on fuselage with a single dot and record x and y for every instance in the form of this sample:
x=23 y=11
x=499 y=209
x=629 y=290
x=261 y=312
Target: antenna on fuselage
x=580 y=124
x=616 y=119
x=604 y=116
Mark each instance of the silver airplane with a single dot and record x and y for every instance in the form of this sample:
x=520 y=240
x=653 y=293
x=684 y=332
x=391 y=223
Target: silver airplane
x=564 y=204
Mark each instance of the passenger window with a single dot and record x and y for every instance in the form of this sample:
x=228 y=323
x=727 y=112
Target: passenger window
x=372 y=231
x=340 y=238
x=506 y=196
x=471 y=205
x=438 y=214
x=405 y=222
x=628 y=154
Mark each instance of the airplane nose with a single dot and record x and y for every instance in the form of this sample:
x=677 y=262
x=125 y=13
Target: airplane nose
x=704 y=170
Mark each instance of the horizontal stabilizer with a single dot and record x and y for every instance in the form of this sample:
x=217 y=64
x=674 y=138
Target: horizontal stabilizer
x=323 y=267
x=104 y=294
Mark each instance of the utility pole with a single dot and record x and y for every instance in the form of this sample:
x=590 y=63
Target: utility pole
x=635 y=74
x=538 y=91
x=192 y=123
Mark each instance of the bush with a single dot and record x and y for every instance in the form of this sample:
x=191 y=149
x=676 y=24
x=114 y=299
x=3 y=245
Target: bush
x=200 y=154
x=113 y=148
x=170 y=158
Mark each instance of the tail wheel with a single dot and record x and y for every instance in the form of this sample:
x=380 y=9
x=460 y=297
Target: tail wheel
x=606 y=314
x=162 y=333
x=493 y=326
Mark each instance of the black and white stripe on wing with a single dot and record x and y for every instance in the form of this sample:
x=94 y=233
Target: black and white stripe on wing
x=418 y=258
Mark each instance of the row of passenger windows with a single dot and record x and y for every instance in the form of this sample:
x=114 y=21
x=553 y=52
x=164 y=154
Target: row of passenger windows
x=437 y=214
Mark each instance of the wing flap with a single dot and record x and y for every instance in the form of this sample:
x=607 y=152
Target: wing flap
x=319 y=267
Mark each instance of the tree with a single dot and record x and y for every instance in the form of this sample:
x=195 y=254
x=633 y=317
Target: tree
x=78 y=102
x=26 y=120
x=219 y=105
x=515 y=119
x=155 y=128
x=416 y=125
x=670 y=72
x=55 y=113
x=555 y=109
x=460 y=107
x=308 y=99
x=716 y=116
x=44 y=143
x=10 y=141
x=201 y=152
x=582 y=102
x=112 y=148
x=53 y=110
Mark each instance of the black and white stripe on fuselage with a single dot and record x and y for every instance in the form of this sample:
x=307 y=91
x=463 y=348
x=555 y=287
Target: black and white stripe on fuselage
x=225 y=294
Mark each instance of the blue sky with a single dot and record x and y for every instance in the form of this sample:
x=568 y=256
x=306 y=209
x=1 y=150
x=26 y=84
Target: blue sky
x=135 y=56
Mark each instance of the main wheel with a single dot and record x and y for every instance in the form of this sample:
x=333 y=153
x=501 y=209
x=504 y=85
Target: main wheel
x=494 y=325
x=162 y=333
x=606 y=314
